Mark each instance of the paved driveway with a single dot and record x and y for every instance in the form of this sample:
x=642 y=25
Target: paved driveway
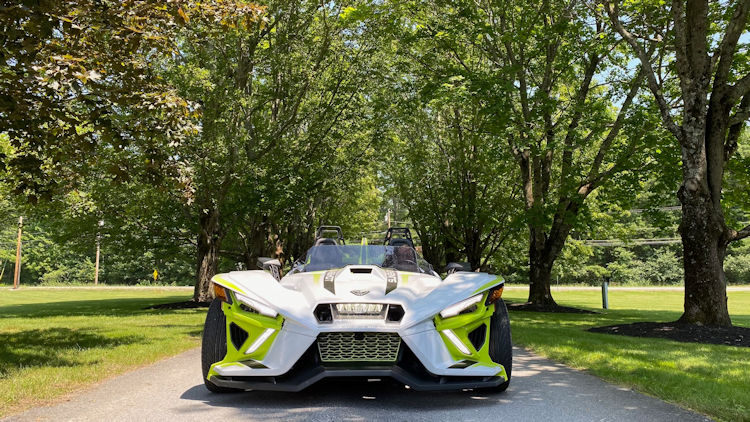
x=541 y=390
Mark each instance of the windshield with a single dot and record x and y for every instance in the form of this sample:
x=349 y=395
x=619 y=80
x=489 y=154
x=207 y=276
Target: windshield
x=327 y=257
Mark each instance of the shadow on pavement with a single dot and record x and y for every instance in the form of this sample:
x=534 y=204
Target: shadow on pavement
x=539 y=387
x=384 y=394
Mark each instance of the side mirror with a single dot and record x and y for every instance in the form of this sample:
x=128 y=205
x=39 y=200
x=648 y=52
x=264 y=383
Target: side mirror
x=272 y=265
x=453 y=267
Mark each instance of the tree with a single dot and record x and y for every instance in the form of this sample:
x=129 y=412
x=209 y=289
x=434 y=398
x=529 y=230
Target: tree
x=550 y=78
x=77 y=74
x=212 y=120
x=695 y=63
x=451 y=176
x=276 y=95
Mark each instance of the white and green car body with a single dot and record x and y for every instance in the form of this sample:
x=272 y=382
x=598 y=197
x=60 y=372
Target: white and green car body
x=362 y=314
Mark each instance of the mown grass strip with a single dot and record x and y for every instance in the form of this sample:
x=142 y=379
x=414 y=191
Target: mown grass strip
x=54 y=341
x=710 y=379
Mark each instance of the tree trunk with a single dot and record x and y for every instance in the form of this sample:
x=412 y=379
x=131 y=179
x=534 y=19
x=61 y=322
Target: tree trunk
x=475 y=260
x=703 y=231
x=703 y=246
x=209 y=241
x=540 y=269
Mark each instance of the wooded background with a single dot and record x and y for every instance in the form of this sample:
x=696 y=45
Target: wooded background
x=551 y=142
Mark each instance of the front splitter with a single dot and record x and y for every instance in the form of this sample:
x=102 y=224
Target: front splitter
x=303 y=379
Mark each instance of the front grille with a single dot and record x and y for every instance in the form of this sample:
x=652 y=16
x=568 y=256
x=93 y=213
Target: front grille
x=358 y=347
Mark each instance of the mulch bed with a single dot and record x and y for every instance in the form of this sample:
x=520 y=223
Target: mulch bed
x=512 y=306
x=688 y=333
x=180 y=305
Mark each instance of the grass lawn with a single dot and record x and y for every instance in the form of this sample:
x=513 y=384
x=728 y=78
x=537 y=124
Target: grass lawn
x=54 y=341
x=710 y=379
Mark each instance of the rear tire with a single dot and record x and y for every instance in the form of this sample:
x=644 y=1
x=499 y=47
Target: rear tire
x=501 y=346
x=214 y=344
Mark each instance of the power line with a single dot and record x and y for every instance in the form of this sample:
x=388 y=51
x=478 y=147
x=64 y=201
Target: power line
x=640 y=210
x=633 y=242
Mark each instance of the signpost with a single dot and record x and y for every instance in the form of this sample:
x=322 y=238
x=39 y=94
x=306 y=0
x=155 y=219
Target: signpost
x=17 y=275
x=98 y=241
x=605 y=294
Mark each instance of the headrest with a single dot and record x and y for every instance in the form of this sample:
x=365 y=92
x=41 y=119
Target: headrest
x=401 y=242
x=325 y=241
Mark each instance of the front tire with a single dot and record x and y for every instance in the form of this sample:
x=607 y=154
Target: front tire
x=214 y=344
x=501 y=346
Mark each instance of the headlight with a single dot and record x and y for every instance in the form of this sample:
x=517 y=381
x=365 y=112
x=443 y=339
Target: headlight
x=464 y=307
x=359 y=308
x=255 y=306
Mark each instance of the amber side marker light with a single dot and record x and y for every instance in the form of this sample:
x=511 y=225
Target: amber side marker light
x=221 y=293
x=495 y=295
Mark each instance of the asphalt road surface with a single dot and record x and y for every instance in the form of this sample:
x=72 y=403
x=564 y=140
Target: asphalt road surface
x=540 y=390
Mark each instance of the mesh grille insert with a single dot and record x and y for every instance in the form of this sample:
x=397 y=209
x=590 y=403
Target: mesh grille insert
x=477 y=336
x=238 y=335
x=359 y=347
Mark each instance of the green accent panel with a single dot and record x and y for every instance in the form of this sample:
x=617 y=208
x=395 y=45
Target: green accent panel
x=495 y=281
x=462 y=325
x=502 y=373
x=316 y=277
x=211 y=372
x=404 y=278
x=363 y=254
x=255 y=325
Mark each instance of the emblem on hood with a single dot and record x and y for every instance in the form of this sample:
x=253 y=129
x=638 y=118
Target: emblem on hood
x=360 y=292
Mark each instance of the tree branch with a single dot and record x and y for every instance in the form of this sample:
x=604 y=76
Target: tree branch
x=739 y=89
x=739 y=235
x=680 y=41
x=615 y=130
x=740 y=116
x=664 y=108
x=583 y=92
x=724 y=55
x=736 y=124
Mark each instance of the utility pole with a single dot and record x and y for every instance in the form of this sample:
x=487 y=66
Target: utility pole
x=17 y=275
x=98 y=241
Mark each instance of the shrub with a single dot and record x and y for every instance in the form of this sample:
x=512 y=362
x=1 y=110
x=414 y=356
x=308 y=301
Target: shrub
x=737 y=269
x=81 y=272
x=663 y=267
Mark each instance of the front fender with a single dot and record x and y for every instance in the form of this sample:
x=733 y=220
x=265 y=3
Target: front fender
x=455 y=288
x=262 y=287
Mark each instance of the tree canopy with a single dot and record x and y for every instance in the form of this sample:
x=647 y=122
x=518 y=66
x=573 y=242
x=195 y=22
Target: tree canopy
x=518 y=137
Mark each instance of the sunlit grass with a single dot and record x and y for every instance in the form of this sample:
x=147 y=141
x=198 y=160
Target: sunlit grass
x=54 y=341
x=711 y=379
